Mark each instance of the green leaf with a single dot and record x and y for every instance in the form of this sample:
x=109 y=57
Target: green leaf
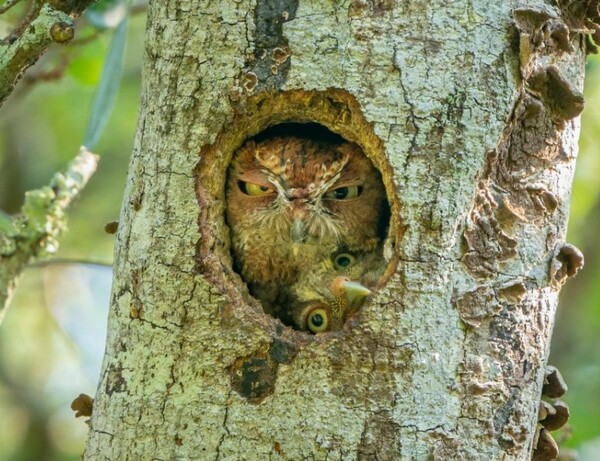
x=106 y=93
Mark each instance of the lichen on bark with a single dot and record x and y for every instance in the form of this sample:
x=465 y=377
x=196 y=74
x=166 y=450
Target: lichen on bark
x=34 y=232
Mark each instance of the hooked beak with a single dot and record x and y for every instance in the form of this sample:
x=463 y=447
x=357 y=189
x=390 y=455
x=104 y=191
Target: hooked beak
x=355 y=291
x=298 y=231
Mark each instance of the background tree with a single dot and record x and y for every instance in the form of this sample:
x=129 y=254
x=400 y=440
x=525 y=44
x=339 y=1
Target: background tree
x=346 y=344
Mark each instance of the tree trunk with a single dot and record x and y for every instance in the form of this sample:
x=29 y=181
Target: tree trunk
x=469 y=110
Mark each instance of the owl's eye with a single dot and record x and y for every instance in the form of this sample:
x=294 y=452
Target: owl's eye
x=344 y=193
x=343 y=261
x=252 y=189
x=317 y=320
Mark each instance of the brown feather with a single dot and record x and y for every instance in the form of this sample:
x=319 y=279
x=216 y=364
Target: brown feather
x=283 y=235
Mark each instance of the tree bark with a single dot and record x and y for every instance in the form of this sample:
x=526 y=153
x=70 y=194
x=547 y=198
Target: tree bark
x=469 y=110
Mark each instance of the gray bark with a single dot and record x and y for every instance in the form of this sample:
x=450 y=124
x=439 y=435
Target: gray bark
x=469 y=109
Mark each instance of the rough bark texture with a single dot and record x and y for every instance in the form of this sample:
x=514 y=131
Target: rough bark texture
x=468 y=108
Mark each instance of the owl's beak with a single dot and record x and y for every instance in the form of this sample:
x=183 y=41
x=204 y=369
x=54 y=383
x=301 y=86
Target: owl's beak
x=355 y=291
x=298 y=231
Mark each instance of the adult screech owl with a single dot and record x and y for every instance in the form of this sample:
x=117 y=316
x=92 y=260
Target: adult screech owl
x=293 y=201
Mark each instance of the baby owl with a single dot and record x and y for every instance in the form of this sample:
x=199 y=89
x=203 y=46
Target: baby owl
x=291 y=202
x=329 y=312
x=324 y=297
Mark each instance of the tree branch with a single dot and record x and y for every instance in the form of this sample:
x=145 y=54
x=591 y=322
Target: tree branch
x=8 y=4
x=53 y=23
x=34 y=232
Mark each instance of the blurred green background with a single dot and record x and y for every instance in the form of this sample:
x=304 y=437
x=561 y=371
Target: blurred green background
x=52 y=339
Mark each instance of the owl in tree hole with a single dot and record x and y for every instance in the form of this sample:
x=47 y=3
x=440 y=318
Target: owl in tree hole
x=292 y=202
x=327 y=313
x=324 y=297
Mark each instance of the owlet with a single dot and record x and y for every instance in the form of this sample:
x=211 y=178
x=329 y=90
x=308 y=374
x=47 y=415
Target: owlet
x=333 y=290
x=329 y=313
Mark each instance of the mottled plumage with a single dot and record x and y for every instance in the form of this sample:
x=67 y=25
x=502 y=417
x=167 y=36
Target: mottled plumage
x=292 y=203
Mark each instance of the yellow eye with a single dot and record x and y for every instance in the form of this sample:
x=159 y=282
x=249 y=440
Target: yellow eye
x=344 y=193
x=343 y=261
x=252 y=189
x=317 y=320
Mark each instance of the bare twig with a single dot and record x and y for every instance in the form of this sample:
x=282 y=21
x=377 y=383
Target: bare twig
x=69 y=261
x=31 y=12
x=84 y=40
x=49 y=26
x=45 y=75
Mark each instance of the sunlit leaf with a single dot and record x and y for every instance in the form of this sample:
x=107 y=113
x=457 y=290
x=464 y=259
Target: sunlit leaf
x=106 y=92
